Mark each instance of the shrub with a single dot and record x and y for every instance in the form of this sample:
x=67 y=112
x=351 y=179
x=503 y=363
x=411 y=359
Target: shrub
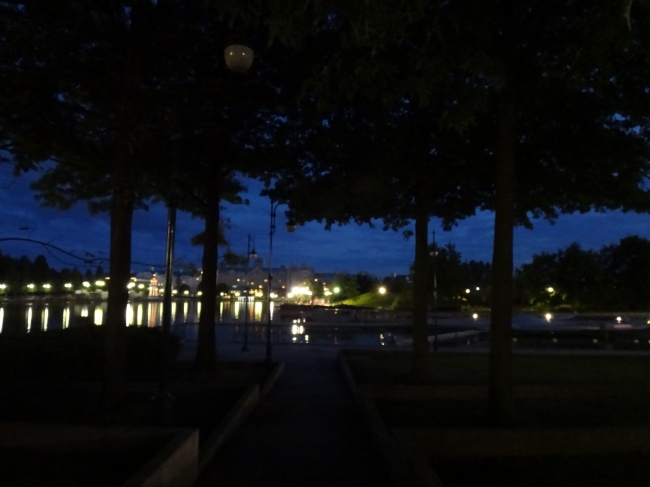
x=78 y=353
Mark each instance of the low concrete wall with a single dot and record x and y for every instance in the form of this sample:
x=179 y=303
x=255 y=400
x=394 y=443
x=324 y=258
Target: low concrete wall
x=242 y=408
x=174 y=465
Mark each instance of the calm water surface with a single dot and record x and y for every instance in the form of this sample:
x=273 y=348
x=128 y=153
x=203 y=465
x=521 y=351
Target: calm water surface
x=28 y=317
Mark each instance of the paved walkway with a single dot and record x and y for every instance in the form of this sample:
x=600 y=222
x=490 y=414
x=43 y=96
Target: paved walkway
x=306 y=432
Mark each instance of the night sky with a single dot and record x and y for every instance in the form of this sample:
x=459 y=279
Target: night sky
x=348 y=248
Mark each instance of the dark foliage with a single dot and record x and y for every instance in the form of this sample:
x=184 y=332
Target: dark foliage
x=77 y=354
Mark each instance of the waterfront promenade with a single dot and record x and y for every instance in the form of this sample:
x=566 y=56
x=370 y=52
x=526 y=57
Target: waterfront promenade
x=306 y=432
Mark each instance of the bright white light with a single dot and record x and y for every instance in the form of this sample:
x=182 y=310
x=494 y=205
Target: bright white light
x=200 y=293
x=85 y=284
x=3 y=286
x=382 y=290
x=301 y=291
x=478 y=288
x=260 y=294
x=548 y=316
x=47 y=286
x=290 y=295
x=67 y=285
x=475 y=316
x=619 y=319
x=186 y=293
x=467 y=291
x=130 y=285
x=140 y=286
x=100 y=283
x=550 y=289
x=31 y=286
x=175 y=291
x=273 y=295
x=337 y=290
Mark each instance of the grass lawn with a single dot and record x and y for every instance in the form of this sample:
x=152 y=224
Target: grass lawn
x=622 y=400
x=472 y=369
x=629 y=470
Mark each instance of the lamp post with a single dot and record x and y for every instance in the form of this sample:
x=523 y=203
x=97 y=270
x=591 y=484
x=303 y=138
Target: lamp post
x=291 y=226
x=249 y=253
x=434 y=254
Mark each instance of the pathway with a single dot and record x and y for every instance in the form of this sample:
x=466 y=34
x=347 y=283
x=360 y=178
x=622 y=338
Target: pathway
x=306 y=432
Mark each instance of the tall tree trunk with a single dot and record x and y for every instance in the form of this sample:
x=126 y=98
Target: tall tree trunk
x=501 y=403
x=420 y=296
x=122 y=205
x=206 y=348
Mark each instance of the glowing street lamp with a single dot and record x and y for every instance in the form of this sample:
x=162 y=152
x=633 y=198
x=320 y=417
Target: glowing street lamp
x=239 y=58
x=382 y=290
x=85 y=284
x=68 y=285
x=100 y=283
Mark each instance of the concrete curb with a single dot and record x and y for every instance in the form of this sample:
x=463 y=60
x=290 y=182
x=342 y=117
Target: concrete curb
x=273 y=377
x=407 y=468
x=175 y=465
x=242 y=408
x=249 y=400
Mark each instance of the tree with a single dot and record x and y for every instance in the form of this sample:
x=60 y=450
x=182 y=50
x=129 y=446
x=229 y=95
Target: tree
x=534 y=85
x=345 y=286
x=626 y=268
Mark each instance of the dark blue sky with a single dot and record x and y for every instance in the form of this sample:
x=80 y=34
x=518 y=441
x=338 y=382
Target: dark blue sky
x=349 y=248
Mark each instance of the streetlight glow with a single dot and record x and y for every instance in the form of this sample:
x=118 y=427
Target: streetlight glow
x=100 y=283
x=239 y=58
x=382 y=290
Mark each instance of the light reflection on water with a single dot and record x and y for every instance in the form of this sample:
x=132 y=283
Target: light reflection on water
x=20 y=316
x=29 y=317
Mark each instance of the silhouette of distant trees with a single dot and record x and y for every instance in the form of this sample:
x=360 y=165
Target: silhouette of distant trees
x=609 y=279
x=16 y=273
